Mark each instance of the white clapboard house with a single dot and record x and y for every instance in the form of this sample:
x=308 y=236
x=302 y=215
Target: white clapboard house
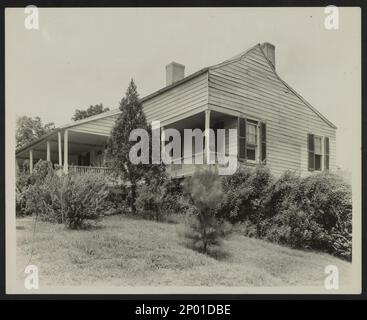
x=276 y=126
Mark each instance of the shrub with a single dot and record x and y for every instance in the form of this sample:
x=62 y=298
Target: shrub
x=43 y=200
x=205 y=189
x=73 y=200
x=327 y=197
x=22 y=182
x=245 y=192
x=310 y=213
x=246 y=228
x=314 y=212
x=41 y=170
x=281 y=194
x=117 y=199
x=83 y=199
x=297 y=229
x=152 y=200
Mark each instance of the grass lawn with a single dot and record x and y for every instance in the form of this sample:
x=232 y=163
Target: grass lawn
x=132 y=252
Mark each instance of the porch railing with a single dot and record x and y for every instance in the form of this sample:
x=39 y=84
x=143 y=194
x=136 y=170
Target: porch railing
x=87 y=169
x=184 y=169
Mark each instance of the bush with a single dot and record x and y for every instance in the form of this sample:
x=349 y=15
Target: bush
x=310 y=213
x=327 y=197
x=22 y=182
x=117 y=199
x=297 y=229
x=281 y=194
x=203 y=233
x=42 y=199
x=152 y=201
x=246 y=228
x=73 y=200
x=83 y=198
x=245 y=192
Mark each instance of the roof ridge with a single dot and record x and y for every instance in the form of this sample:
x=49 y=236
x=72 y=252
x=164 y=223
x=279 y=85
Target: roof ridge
x=234 y=58
x=296 y=93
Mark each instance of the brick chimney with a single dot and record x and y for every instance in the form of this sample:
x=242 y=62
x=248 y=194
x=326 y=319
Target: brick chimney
x=269 y=50
x=174 y=72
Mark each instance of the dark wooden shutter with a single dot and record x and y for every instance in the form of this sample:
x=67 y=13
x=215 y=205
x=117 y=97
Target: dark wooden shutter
x=263 y=142
x=241 y=130
x=327 y=153
x=311 y=152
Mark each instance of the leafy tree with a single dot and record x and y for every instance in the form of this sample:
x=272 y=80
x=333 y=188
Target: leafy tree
x=29 y=129
x=91 y=111
x=131 y=117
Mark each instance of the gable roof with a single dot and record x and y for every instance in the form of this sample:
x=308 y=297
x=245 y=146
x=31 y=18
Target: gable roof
x=258 y=46
x=176 y=84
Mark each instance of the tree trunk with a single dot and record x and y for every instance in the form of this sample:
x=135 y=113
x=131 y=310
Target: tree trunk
x=133 y=198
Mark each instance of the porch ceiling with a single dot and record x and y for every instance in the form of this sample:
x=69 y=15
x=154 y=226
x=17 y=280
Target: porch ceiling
x=198 y=121
x=78 y=142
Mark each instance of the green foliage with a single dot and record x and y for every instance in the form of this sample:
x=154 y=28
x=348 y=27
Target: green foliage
x=131 y=117
x=245 y=193
x=117 y=199
x=282 y=193
x=153 y=200
x=246 y=228
x=83 y=198
x=74 y=200
x=205 y=189
x=314 y=212
x=29 y=129
x=23 y=180
x=327 y=197
x=43 y=200
x=91 y=111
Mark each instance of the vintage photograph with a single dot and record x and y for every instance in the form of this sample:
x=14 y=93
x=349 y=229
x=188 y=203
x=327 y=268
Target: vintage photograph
x=183 y=150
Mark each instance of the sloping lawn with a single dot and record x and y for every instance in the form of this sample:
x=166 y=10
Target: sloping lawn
x=132 y=252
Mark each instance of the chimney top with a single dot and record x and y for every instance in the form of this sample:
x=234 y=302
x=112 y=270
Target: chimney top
x=269 y=51
x=174 y=72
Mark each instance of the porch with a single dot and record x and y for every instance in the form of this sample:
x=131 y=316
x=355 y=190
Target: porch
x=69 y=150
x=204 y=151
x=77 y=150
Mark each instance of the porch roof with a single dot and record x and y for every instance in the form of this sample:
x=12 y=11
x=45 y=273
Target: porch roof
x=78 y=142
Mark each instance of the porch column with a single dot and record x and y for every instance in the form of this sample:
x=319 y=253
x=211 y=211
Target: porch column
x=207 y=137
x=48 y=145
x=66 y=151
x=60 y=149
x=31 y=161
x=163 y=144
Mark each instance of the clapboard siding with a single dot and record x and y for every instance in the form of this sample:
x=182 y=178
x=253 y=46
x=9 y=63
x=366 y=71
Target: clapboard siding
x=251 y=87
x=101 y=126
x=188 y=97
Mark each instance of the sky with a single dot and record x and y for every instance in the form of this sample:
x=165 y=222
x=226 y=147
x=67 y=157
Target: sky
x=81 y=57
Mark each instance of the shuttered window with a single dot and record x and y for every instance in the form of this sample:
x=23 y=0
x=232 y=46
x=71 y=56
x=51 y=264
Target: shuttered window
x=242 y=138
x=327 y=151
x=311 y=152
x=263 y=141
x=251 y=133
x=251 y=146
x=318 y=153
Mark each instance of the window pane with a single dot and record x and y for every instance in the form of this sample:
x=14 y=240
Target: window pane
x=251 y=133
x=317 y=162
x=251 y=154
x=318 y=149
